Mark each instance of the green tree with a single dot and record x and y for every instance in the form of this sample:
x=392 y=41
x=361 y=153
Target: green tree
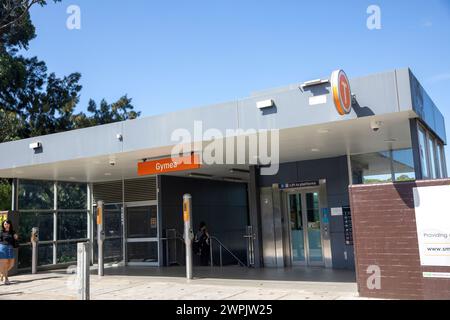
x=34 y=102
x=120 y=110
x=5 y=195
x=16 y=29
x=39 y=102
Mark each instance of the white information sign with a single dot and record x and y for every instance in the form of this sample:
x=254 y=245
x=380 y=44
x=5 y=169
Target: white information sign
x=336 y=211
x=432 y=206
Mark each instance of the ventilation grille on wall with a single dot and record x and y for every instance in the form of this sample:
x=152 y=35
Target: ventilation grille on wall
x=135 y=190
x=108 y=192
x=140 y=189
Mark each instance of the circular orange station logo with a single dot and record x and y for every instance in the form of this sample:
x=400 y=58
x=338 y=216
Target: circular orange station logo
x=342 y=97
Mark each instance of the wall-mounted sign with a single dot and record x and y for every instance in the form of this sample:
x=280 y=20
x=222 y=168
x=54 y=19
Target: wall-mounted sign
x=316 y=100
x=348 y=226
x=444 y=275
x=302 y=184
x=342 y=96
x=325 y=215
x=432 y=207
x=153 y=223
x=336 y=211
x=169 y=165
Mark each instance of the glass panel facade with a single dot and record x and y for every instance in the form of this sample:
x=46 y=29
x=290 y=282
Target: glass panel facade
x=24 y=259
x=379 y=167
x=403 y=165
x=439 y=171
x=42 y=220
x=371 y=168
x=67 y=252
x=45 y=254
x=35 y=195
x=72 y=225
x=432 y=154
x=72 y=195
x=423 y=153
x=37 y=209
x=442 y=160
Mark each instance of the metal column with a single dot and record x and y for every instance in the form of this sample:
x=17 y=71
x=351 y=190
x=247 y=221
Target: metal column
x=255 y=215
x=15 y=196
x=188 y=233
x=34 y=248
x=100 y=237
x=83 y=276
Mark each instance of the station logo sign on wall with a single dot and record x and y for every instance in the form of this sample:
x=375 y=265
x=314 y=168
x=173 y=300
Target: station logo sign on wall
x=342 y=96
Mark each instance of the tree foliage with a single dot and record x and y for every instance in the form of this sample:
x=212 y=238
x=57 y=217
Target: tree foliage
x=33 y=101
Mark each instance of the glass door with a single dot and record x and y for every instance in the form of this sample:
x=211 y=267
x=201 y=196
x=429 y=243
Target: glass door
x=315 y=252
x=142 y=235
x=297 y=232
x=113 y=227
x=305 y=226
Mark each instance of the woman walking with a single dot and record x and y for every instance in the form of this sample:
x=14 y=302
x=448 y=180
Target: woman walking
x=8 y=241
x=202 y=242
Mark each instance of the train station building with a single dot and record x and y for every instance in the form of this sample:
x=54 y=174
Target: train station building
x=283 y=203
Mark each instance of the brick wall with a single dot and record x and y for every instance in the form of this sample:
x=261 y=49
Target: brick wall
x=385 y=234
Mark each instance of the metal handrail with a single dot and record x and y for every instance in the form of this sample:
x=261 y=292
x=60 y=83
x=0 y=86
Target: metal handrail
x=222 y=246
x=178 y=237
x=47 y=242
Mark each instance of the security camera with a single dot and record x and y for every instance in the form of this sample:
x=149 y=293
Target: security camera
x=35 y=145
x=112 y=162
x=376 y=126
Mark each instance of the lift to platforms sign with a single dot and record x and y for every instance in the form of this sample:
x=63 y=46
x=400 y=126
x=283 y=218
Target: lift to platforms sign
x=432 y=207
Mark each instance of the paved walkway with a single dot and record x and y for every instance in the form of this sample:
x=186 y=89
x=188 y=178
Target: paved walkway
x=169 y=284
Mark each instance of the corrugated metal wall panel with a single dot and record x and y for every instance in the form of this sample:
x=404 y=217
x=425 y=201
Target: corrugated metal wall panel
x=135 y=190
x=108 y=192
x=140 y=189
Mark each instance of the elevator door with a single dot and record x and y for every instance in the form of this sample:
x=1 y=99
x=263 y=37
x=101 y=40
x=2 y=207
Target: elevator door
x=305 y=227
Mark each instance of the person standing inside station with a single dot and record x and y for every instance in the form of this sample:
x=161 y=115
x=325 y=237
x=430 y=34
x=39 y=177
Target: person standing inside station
x=8 y=241
x=202 y=244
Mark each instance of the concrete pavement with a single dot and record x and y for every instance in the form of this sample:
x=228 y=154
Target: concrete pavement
x=230 y=283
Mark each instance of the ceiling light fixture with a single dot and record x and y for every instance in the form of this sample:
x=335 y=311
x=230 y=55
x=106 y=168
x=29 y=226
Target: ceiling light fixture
x=234 y=170
x=232 y=179
x=200 y=175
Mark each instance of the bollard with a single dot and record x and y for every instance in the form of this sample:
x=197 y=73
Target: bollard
x=188 y=233
x=100 y=237
x=83 y=263
x=34 y=249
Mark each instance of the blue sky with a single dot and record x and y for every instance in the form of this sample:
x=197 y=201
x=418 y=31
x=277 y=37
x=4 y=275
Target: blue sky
x=170 y=55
